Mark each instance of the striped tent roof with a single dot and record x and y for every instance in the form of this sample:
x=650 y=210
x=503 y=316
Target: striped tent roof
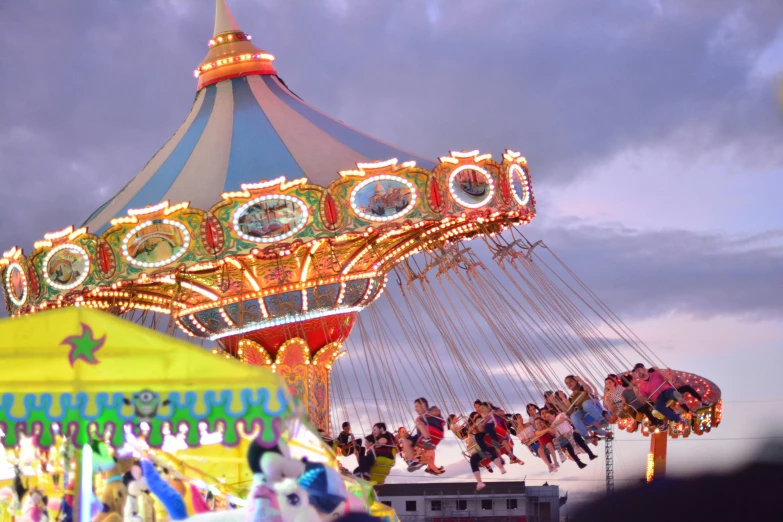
x=245 y=128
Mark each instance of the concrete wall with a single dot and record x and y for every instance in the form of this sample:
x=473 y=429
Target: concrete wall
x=449 y=507
x=538 y=504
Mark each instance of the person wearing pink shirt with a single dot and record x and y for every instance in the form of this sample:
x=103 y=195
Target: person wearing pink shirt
x=654 y=388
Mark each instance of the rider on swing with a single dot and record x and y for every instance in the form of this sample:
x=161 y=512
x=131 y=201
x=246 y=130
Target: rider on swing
x=429 y=426
x=494 y=421
x=348 y=443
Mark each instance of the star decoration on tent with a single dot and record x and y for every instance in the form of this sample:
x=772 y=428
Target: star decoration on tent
x=84 y=346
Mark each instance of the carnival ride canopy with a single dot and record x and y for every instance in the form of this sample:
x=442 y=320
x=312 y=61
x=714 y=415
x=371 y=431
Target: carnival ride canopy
x=75 y=370
x=244 y=126
x=265 y=225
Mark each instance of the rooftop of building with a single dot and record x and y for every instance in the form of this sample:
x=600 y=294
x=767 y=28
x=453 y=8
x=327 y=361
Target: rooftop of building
x=466 y=488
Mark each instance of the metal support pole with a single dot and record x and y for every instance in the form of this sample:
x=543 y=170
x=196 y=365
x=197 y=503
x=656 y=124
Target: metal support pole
x=609 y=452
x=656 y=460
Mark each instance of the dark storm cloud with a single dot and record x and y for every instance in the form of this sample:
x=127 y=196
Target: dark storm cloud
x=647 y=274
x=91 y=89
x=639 y=274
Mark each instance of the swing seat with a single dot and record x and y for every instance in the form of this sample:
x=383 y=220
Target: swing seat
x=503 y=436
x=590 y=421
x=380 y=470
x=561 y=446
x=345 y=450
x=533 y=448
x=501 y=432
x=484 y=463
x=434 y=434
x=502 y=449
x=459 y=427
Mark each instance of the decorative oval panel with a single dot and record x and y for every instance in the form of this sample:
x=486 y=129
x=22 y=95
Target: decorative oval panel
x=155 y=243
x=33 y=283
x=436 y=200
x=383 y=198
x=471 y=186
x=106 y=261
x=331 y=214
x=66 y=267
x=505 y=189
x=520 y=185
x=16 y=284
x=267 y=219
x=212 y=237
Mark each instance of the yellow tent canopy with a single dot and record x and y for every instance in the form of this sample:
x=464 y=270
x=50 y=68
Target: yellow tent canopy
x=384 y=512
x=73 y=370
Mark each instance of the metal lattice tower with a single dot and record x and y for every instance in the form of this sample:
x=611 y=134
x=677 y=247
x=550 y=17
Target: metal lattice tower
x=609 y=452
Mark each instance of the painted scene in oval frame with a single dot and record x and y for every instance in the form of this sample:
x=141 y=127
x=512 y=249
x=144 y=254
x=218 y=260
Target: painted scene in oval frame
x=472 y=186
x=67 y=267
x=271 y=218
x=520 y=189
x=156 y=243
x=384 y=197
x=16 y=283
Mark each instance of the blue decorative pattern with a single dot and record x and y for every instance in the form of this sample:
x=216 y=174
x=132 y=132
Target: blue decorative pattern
x=354 y=291
x=322 y=297
x=114 y=411
x=250 y=312
x=288 y=303
x=371 y=292
x=189 y=325
x=212 y=320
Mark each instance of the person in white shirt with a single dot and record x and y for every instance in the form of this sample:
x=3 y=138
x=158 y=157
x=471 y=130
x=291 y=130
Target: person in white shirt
x=565 y=432
x=613 y=396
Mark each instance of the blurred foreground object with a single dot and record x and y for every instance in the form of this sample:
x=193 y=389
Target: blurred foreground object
x=746 y=494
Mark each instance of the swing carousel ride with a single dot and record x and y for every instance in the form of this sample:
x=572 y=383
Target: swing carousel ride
x=264 y=226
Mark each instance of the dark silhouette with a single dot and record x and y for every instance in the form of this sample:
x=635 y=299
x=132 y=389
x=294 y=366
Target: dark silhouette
x=748 y=494
x=358 y=517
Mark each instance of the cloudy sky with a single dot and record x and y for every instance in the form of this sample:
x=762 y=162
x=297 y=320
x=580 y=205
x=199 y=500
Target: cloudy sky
x=651 y=128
